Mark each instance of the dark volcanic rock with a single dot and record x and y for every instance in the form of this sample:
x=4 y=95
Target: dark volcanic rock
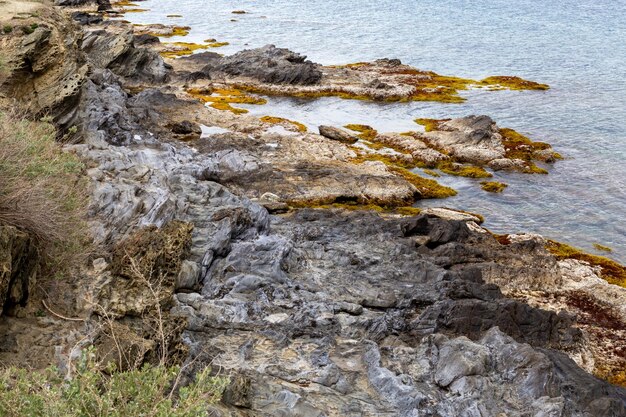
x=270 y=65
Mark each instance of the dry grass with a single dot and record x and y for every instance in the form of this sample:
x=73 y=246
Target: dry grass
x=42 y=189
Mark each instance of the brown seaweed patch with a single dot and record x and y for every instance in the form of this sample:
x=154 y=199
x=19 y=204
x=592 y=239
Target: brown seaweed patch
x=502 y=239
x=493 y=186
x=280 y=120
x=611 y=271
x=595 y=313
x=512 y=83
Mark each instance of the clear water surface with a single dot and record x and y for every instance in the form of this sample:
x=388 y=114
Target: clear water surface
x=578 y=47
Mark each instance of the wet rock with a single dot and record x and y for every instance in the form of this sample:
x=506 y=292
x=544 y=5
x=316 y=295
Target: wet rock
x=337 y=134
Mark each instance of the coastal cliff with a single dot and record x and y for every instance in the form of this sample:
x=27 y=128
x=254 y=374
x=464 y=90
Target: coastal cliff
x=293 y=263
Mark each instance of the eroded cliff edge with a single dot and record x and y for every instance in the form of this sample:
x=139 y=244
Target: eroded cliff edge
x=312 y=312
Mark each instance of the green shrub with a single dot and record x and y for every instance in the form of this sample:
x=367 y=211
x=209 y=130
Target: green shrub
x=30 y=28
x=7 y=29
x=152 y=391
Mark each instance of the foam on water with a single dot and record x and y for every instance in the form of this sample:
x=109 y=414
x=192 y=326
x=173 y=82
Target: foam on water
x=576 y=47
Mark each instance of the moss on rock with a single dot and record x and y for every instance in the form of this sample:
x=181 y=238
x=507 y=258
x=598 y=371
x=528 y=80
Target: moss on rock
x=493 y=186
x=280 y=120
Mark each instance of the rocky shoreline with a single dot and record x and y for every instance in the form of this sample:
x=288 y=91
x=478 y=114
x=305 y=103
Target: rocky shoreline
x=295 y=262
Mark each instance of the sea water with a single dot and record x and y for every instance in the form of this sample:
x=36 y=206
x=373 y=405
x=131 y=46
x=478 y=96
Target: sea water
x=577 y=47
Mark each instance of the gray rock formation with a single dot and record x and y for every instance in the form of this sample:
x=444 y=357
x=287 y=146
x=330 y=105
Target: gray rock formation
x=269 y=65
x=316 y=312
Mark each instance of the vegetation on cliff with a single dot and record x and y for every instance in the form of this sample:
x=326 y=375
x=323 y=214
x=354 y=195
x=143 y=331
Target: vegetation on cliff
x=42 y=189
x=150 y=391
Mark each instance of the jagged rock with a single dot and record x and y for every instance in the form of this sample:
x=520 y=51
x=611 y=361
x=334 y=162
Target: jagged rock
x=19 y=264
x=269 y=65
x=47 y=69
x=337 y=134
x=117 y=52
x=103 y=5
x=187 y=129
x=289 y=327
x=145 y=39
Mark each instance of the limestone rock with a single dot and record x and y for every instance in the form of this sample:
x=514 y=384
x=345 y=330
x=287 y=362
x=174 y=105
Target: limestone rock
x=337 y=134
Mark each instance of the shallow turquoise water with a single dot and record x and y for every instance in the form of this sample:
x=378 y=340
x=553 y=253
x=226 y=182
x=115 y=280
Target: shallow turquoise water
x=578 y=47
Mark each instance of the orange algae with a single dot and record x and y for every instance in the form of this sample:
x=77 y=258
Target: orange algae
x=217 y=44
x=518 y=146
x=427 y=187
x=512 y=83
x=222 y=98
x=134 y=10
x=431 y=173
x=181 y=49
x=124 y=3
x=280 y=120
x=611 y=271
x=179 y=31
x=365 y=132
x=430 y=124
x=462 y=170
